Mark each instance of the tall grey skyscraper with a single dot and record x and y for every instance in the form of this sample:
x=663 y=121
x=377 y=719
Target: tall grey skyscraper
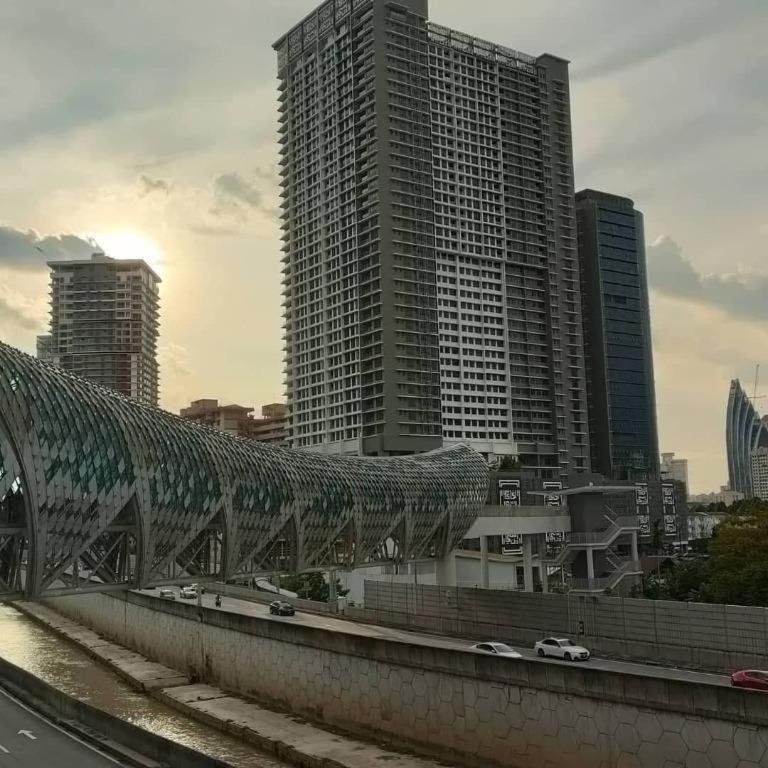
x=104 y=323
x=617 y=337
x=431 y=280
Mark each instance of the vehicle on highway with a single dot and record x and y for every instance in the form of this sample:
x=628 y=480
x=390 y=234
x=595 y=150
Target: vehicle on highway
x=198 y=588
x=497 y=649
x=167 y=594
x=281 y=608
x=755 y=679
x=561 y=648
x=188 y=593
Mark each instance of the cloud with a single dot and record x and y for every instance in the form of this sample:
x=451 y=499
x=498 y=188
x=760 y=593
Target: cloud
x=16 y=310
x=741 y=294
x=235 y=186
x=29 y=251
x=233 y=191
x=150 y=185
x=175 y=358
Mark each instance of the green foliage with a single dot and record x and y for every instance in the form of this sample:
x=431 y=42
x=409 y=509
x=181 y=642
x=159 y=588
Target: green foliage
x=739 y=555
x=735 y=570
x=508 y=464
x=310 y=586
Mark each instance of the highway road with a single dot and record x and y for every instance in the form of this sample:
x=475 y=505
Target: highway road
x=27 y=740
x=333 y=624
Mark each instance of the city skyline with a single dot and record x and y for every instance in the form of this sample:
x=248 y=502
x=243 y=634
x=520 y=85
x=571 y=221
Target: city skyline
x=181 y=173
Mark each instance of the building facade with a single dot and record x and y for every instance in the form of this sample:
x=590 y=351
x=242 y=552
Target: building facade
x=617 y=337
x=431 y=281
x=745 y=433
x=239 y=421
x=724 y=496
x=104 y=323
x=674 y=469
x=43 y=348
x=759 y=466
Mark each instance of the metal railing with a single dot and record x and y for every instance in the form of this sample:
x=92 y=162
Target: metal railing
x=626 y=568
x=581 y=540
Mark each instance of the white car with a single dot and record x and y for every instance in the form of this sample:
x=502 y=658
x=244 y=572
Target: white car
x=497 y=649
x=188 y=593
x=561 y=648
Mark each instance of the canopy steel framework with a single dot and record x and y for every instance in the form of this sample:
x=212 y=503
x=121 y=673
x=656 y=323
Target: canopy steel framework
x=98 y=492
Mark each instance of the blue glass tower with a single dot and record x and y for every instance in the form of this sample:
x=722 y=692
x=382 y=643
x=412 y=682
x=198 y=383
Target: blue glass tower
x=617 y=337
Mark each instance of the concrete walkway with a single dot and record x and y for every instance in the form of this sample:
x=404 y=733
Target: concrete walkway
x=284 y=735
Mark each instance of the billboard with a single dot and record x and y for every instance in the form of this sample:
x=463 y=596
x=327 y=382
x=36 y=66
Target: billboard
x=511 y=544
x=643 y=514
x=668 y=509
x=509 y=493
x=554 y=537
x=553 y=499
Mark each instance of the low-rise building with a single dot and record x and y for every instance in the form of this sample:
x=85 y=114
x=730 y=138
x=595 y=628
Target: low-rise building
x=239 y=420
x=674 y=469
x=701 y=524
x=724 y=496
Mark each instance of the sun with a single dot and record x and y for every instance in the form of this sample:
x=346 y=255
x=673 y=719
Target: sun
x=129 y=244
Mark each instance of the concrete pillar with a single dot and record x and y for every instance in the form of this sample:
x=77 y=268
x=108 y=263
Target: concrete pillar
x=635 y=553
x=484 y=580
x=590 y=564
x=527 y=563
x=544 y=579
x=513 y=574
x=332 y=595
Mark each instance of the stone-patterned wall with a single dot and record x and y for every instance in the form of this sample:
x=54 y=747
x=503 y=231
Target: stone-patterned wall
x=463 y=707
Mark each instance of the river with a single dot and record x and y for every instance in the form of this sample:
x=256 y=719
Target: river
x=60 y=663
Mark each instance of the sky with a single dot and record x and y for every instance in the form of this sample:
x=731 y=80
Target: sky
x=149 y=127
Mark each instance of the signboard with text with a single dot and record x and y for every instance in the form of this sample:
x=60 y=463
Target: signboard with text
x=511 y=544
x=552 y=499
x=668 y=508
x=509 y=493
x=641 y=503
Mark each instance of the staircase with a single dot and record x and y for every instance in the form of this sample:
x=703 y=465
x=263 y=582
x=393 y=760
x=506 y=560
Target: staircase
x=627 y=567
x=601 y=540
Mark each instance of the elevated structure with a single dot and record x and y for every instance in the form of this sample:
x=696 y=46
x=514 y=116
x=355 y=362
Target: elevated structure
x=98 y=492
x=745 y=432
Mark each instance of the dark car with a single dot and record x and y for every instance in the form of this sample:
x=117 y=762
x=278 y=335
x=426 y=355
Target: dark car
x=280 y=608
x=750 y=678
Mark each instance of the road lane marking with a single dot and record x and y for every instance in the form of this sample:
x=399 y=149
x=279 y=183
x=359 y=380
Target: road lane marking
x=28 y=734
x=58 y=728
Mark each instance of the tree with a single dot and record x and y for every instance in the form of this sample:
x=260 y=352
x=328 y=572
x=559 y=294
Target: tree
x=310 y=586
x=508 y=464
x=738 y=566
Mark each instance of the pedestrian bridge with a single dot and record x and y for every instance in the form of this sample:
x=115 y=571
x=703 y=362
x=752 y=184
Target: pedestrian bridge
x=98 y=493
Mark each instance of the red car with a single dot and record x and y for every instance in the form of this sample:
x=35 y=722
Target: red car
x=750 y=678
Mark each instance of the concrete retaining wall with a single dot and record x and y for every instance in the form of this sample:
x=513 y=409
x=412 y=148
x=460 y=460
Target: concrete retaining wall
x=108 y=732
x=463 y=707
x=714 y=637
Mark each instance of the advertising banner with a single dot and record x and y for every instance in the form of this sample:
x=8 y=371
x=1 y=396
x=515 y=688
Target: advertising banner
x=643 y=515
x=511 y=544
x=668 y=507
x=554 y=537
x=553 y=499
x=509 y=493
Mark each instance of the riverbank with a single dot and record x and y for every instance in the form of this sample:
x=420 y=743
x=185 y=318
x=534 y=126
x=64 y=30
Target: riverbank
x=281 y=734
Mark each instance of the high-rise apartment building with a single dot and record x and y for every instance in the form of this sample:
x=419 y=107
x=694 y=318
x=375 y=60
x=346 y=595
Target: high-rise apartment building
x=431 y=280
x=104 y=323
x=617 y=337
x=759 y=467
